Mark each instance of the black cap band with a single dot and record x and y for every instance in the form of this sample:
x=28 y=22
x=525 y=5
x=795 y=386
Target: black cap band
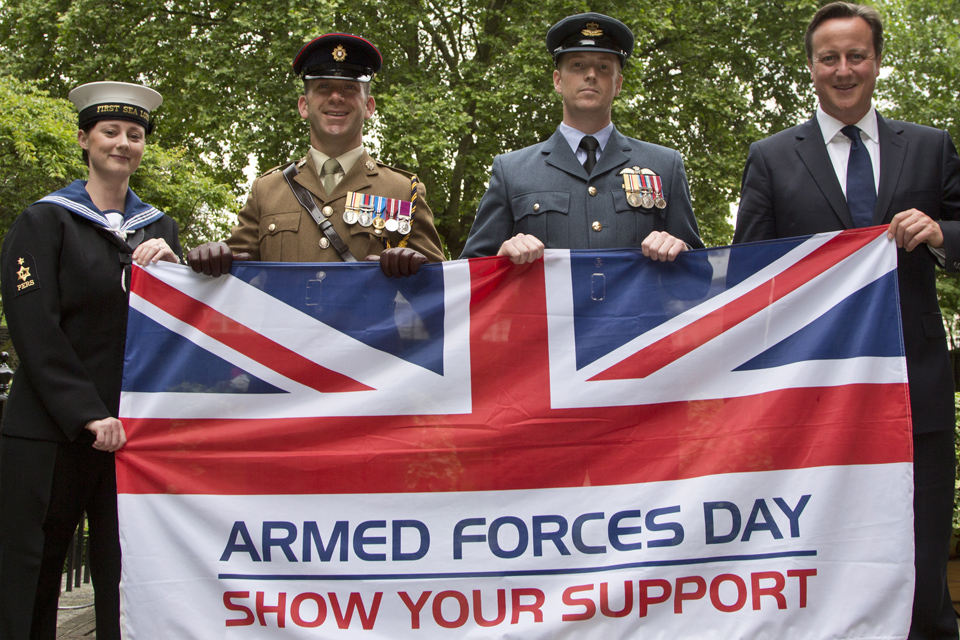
x=116 y=111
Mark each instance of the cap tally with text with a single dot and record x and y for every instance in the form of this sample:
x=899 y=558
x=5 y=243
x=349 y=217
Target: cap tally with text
x=115 y=101
x=590 y=32
x=338 y=56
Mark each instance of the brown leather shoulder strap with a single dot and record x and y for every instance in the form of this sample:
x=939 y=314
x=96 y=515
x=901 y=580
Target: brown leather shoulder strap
x=305 y=198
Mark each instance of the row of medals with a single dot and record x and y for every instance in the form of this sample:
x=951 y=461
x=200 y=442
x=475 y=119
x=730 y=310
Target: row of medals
x=645 y=191
x=366 y=218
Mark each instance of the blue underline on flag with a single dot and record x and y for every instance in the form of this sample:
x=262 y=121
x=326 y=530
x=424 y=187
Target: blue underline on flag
x=518 y=573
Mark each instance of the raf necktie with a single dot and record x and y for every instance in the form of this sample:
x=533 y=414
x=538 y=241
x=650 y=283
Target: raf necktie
x=328 y=174
x=589 y=144
x=861 y=189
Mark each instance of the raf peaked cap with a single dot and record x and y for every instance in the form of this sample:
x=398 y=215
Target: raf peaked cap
x=338 y=56
x=590 y=32
x=115 y=101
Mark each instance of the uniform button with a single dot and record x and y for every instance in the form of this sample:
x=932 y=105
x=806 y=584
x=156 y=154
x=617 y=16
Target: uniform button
x=324 y=243
x=272 y=227
x=597 y=226
x=378 y=231
x=592 y=191
x=536 y=207
x=327 y=211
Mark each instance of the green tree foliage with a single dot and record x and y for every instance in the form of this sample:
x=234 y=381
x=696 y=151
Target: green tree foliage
x=465 y=80
x=39 y=154
x=461 y=82
x=38 y=146
x=923 y=56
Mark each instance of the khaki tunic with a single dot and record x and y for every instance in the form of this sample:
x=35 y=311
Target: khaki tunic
x=274 y=227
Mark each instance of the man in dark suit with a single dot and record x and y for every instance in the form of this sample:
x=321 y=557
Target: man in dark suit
x=588 y=186
x=818 y=177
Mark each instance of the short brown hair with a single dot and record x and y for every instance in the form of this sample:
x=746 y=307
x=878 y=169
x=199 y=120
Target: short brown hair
x=836 y=10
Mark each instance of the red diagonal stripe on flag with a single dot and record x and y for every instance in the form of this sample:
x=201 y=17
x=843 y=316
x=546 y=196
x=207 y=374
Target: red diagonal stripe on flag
x=240 y=338
x=681 y=342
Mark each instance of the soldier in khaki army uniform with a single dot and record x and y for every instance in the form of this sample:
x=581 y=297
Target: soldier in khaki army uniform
x=375 y=211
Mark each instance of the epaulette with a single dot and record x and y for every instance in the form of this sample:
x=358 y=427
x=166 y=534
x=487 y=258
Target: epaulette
x=279 y=167
x=409 y=174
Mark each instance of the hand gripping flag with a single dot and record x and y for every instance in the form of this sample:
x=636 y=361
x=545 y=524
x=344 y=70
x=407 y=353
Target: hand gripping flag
x=592 y=446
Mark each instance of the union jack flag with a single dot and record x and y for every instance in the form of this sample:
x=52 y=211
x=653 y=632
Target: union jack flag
x=751 y=368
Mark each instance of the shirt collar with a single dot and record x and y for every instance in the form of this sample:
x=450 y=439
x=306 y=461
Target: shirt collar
x=346 y=160
x=573 y=136
x=830 y=127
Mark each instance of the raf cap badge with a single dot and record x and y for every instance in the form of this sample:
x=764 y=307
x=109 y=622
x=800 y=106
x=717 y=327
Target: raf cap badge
x=592 y=30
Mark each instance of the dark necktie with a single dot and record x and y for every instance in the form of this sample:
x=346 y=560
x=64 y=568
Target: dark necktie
x=328 y=175
x=861 y=189
x=589 y=144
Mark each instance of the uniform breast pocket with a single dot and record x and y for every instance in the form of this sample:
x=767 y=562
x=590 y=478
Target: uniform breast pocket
x=365 y=241
x=278 y=236
x=542 y=214
x=634 y=223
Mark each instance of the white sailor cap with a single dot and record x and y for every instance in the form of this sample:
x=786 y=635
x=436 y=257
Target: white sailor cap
x=115 y=101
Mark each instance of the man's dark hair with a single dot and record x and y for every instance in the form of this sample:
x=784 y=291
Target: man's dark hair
x=845 y=10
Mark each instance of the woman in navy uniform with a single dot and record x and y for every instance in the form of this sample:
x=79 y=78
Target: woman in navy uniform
x=65 y=274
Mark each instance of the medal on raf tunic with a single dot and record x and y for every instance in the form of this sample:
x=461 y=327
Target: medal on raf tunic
x=660 y=202
x=631 y=186
x=651 y=180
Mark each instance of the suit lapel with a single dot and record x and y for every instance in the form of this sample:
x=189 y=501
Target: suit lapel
x=309 y=177
x=613 y=156
x=813 y=153
x=559 y=155
x=893 y=150
x=359 y=177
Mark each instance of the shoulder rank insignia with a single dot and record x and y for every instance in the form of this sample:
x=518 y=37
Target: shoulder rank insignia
x=26 y=274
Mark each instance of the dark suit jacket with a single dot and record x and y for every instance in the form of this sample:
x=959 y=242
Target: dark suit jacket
x=789 y=188
x=543 y=190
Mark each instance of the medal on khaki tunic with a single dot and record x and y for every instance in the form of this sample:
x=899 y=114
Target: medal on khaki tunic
x=408 y=210
x=379 y=212
x=366 y=210
x=393 y=210
x=351 y=212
